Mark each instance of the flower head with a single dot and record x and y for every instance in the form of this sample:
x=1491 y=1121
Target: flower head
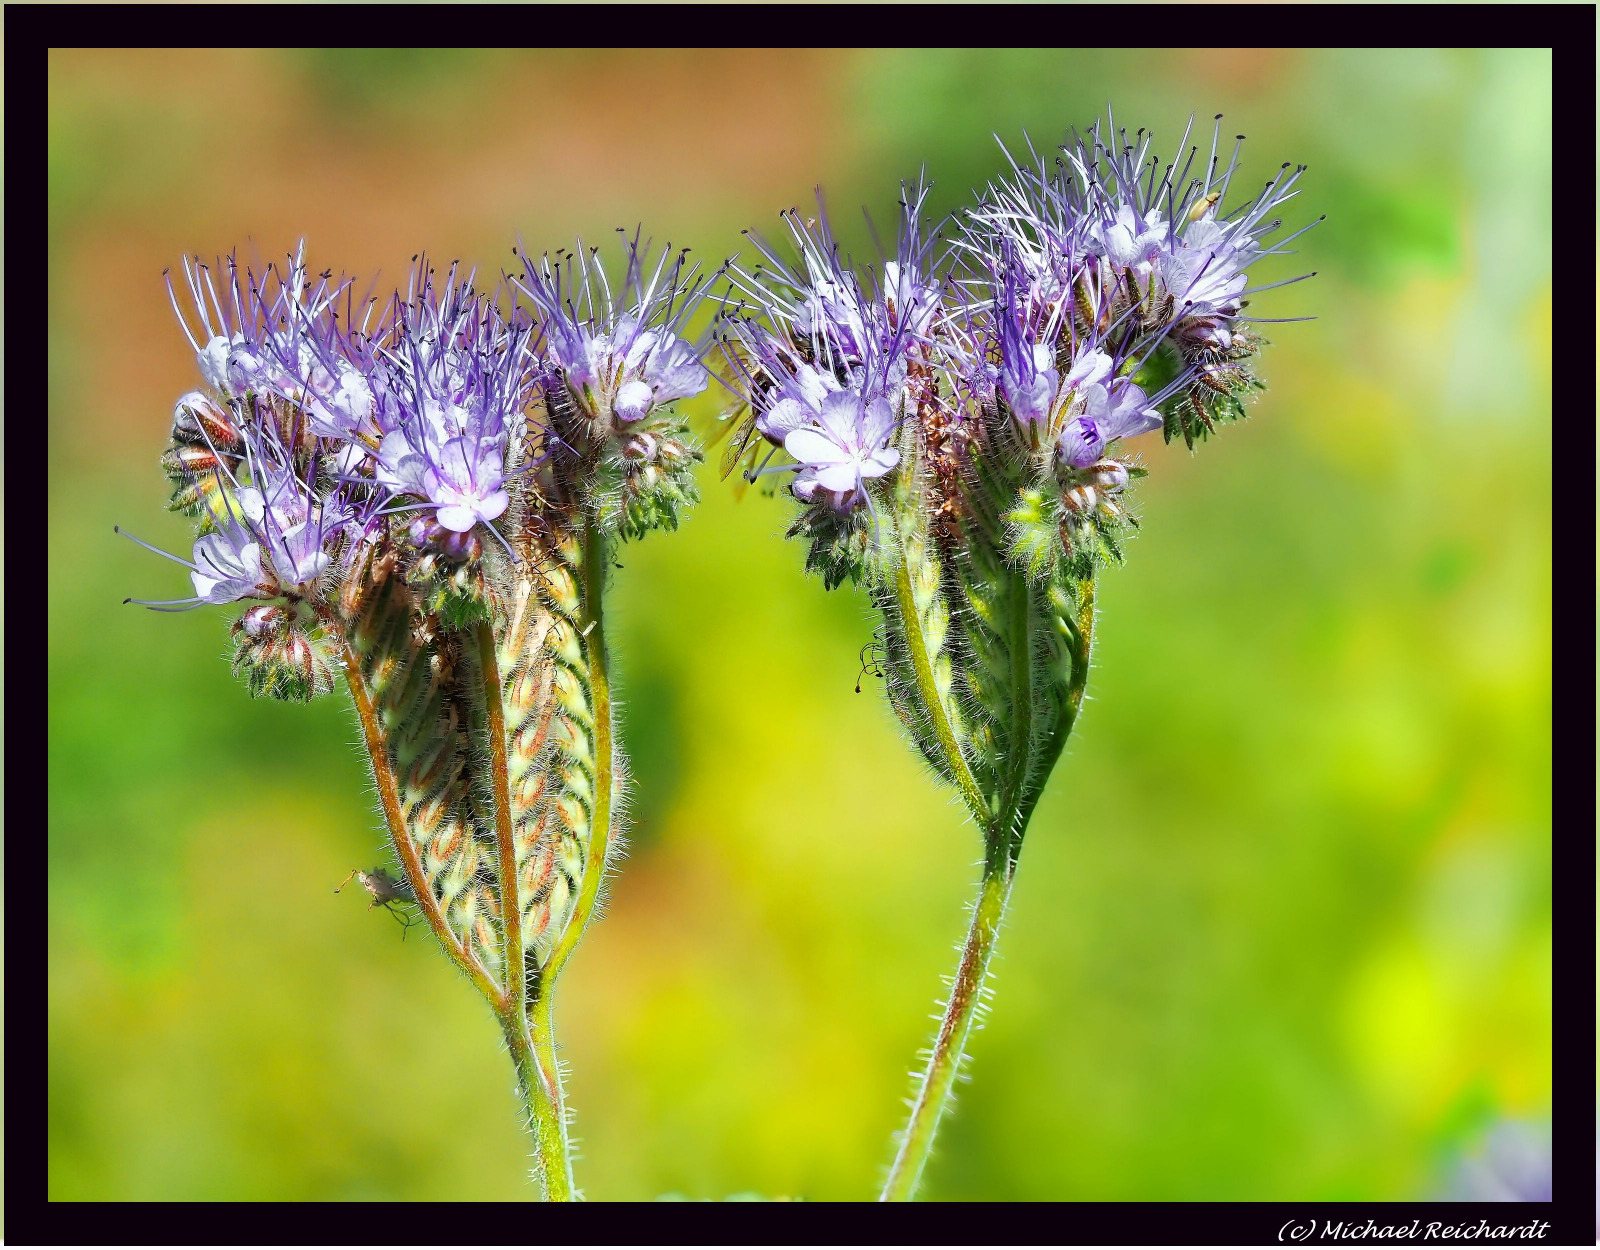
x=453 y=378
x=616 y=357
x=824 y=358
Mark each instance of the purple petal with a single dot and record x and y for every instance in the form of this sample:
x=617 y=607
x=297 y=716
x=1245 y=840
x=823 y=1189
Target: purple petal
x=783 y=416
x=632 y=401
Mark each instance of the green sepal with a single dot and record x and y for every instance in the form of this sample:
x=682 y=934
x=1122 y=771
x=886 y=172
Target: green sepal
x=838 y=547
x=647 y=481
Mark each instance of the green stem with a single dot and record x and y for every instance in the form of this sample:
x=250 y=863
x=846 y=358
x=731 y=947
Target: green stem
x=537 y=1075
x=505 y=841
x=1007 y=832
x=539 y=1082
x=541 y=1010
x=916 y=1143
x=1082 y=646
x=916 y=644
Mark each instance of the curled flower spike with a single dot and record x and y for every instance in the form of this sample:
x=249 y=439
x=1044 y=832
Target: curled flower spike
x=346 y=464
x=981 y=408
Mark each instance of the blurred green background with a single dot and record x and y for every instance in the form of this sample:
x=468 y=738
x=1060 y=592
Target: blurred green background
x=1283 y=925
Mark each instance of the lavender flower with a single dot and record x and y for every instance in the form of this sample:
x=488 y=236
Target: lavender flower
x=981 y=412
x=269 y=532
x=280 y=336
x=341 y=464
x=453 y=377
x=618 y=358
x=826 y=363
x=846 y=446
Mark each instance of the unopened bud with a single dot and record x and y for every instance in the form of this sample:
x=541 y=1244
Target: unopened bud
x=1109 y=475
x=196 y=420
x=262 y=621
x=640 y=446
x=458 y=546
x=299 y=656
x=1080 y=498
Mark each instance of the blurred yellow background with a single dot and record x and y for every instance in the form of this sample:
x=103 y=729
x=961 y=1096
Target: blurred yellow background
x=1282 y=929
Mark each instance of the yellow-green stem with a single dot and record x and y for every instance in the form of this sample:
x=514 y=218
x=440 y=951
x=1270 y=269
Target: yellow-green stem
x=595 y=559
x=540 y=1085
x=541 y=1011
x=1007 y=831
x=1003 y=844
x=537 y=1075
x=505 y=841
x=916 y=1143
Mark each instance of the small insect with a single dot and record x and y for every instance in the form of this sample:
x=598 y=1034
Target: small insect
x=386 y=893
x=742 y=437
x=1204 y=205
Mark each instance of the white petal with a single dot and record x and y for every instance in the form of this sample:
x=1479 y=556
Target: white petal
x=632 y=401
x=839 y=477
x=457 y=518
x=814 y=447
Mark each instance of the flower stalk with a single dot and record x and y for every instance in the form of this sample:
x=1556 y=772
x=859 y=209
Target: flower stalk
x=956 y=421
x=426 y=496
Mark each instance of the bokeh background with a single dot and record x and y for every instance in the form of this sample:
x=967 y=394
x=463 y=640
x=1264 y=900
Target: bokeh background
x=1283 y=925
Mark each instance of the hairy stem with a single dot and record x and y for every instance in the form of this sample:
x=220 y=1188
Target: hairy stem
x=933 y=1093
x=1050 y=752
x=405 y=848
x=1006 y=829
x=537 y=1075
x=541 y=1010
x=540 y=1085
x=928 y=690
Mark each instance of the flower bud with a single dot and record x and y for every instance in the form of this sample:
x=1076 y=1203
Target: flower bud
x=197 y=421
x=1109 y=475
x=264 y=620
x=464 y=547
x=1080 y=498
x=282 y=662
x=641 y=446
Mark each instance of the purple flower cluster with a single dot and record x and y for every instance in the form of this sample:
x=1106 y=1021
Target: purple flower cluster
x=826 y=362
x=615 y=357
x=452 y=377
x=1081 y=300
x=323 y=416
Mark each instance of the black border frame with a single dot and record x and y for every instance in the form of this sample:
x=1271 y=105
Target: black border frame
x=1570 y=31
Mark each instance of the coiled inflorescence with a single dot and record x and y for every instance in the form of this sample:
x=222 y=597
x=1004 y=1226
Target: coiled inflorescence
x=955 y=418
x=379 y=481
